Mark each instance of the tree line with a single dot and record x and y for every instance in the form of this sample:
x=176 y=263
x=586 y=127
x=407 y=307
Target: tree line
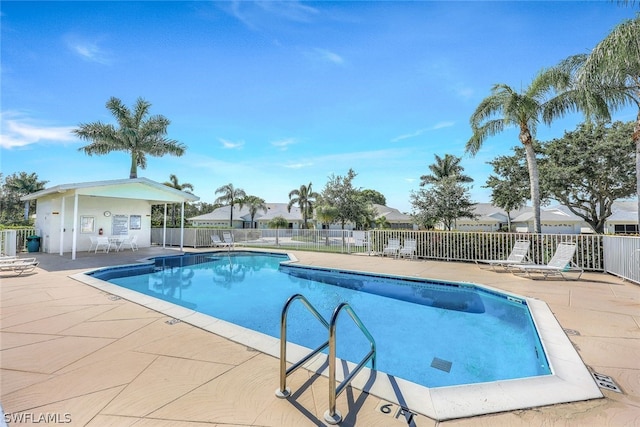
x=586 y=170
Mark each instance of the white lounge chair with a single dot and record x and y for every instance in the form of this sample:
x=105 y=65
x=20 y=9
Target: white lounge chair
x=408 y=249
x=18 y=265
x=228 y=239
x=392 y=248
x=559 y=264
x=360 y=240
x=518 y=256
x=217 y=242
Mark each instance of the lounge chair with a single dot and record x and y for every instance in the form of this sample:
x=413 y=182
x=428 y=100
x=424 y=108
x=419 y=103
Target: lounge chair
x=228 y=239
x=559 y=264
x=392 y=248
x=518 y=256
x=18 y=265
x=217 y=242
x=408 y=249
x=360 y=239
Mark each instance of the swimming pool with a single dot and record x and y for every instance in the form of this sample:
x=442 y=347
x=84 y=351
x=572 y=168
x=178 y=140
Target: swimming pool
x=443 y=402
x=431 y=333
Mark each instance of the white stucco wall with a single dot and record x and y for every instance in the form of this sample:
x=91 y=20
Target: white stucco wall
x=50 y=219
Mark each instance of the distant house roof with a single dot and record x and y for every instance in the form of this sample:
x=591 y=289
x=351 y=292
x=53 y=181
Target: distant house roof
x=391 y=214
x=273 y=210
x=131 y=188
x=624 y=211
x=486 y=212
x=280 y=209
x=551 y=214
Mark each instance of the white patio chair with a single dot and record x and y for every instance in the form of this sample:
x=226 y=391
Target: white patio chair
x=228 y=239
x=392 y=248
x=408 y=249
x=518 y=255
x=216 y=242
x=559 y=264
x=94 y=243
x=131 y=241
x=104 y=242
x=18 y=265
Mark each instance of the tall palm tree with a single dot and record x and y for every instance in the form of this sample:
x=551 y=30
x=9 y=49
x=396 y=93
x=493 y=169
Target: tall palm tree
x=254 y=204
x=173 y=183
x=137 y=134
x=506 y=107
x=443 y=168
x=615 y=64
x=305 y=198
x=231 y=196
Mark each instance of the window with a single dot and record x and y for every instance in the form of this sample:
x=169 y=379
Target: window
x=625 y=229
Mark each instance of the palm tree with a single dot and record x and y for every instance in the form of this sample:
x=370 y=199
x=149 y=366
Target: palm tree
x=254 y=204
x=231 y=196
x=23 y=184
x=305 y=198
x=443 y=168
x=326 y=214
x=615 y=64
x=173 y=183
x=136 y=134
x=277 y=223
x=506 y=107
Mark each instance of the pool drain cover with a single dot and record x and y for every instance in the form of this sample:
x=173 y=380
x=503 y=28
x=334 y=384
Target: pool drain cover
x=443 y=365
x=605 y=381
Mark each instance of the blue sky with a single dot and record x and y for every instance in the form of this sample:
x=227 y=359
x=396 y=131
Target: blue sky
x=272 y=95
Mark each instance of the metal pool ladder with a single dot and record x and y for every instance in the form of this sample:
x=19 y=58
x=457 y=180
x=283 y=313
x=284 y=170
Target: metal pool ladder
x=331 y=416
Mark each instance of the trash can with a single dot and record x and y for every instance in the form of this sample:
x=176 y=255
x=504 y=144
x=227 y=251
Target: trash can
x=33 y=243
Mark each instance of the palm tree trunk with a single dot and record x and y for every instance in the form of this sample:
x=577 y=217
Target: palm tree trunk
x=26 y=211
x=133 y=173
x=534 y=182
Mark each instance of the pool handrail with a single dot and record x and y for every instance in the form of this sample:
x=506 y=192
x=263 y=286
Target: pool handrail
x=333 y=416
x=283 y=391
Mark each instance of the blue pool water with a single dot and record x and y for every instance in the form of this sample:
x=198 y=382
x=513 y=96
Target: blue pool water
x=431 y=333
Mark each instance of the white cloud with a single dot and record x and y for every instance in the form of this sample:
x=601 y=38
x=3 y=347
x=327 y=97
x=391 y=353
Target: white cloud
x=18 y=132
x=419 y=132
x=297 y=165
x=327 y=55
x=261 y=15
x=230 y=144
x=283 y=144
x=443 y=125
x=409 y=135
x=88 y=50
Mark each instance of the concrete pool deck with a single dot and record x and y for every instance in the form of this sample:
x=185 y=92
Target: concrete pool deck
x=69 y=350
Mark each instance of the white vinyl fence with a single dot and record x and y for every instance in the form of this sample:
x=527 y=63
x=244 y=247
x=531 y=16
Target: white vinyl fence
x=622 y=256
x=440 y=245
x=14 y=241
